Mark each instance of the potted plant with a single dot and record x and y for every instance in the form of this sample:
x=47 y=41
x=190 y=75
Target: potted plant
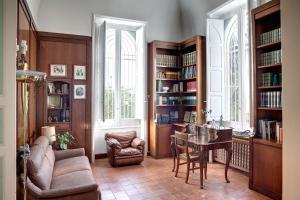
x=64 y=139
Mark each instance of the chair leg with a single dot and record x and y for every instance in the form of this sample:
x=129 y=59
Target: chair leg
x=177 y=166
x=205 y=170
x=187 y=171
x=193 y=167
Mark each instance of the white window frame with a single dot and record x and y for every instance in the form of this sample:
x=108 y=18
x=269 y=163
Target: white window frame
x=98 y=117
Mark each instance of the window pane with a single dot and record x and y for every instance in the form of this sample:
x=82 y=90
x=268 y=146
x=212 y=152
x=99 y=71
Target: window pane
x=128 y=74
x=110 y=67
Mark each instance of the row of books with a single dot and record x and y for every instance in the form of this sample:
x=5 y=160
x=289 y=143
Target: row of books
x=59 y=116
x=271 y=99
x=270 y=130
x=189 y=58
x=162 y=100
x=191 y=86
x=270 y=36
x=271 y=58
x=168 y=75
x=189 y=72
x=166 y=60
x=189 y=100
x=172 y=117
x=271 y=79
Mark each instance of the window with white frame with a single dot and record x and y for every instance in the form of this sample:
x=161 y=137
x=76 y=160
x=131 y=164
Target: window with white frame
x=120 y=65
x=237 y=72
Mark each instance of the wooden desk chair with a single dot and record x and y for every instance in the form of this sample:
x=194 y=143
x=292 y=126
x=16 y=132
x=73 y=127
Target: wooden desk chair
x=183 y=152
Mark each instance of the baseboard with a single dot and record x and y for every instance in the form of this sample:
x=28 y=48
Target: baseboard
x=101 y=156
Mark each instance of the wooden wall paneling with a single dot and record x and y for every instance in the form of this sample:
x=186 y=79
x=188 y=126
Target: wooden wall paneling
x=69 y=50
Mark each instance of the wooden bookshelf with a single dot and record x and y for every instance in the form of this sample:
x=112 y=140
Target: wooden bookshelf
x=159 y=132
x=265 y=175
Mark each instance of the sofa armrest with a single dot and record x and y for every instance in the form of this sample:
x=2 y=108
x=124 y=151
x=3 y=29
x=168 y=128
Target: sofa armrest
x=68 y=153
x=113 y=143
x=137 y=142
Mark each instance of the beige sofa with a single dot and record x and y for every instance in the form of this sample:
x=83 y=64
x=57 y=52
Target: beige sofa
x=59 y=175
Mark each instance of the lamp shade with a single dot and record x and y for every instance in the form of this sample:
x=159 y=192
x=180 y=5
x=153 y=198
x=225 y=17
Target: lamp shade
x=49 y=131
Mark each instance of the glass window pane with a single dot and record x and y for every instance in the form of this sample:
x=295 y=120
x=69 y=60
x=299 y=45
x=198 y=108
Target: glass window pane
x=110 y=67
x=128 y=74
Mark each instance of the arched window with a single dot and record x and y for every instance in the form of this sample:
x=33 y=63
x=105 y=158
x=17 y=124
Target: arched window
x=233 y=72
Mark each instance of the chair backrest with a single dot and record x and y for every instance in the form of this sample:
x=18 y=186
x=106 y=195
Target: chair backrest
x=181 y=142
x=125 y=138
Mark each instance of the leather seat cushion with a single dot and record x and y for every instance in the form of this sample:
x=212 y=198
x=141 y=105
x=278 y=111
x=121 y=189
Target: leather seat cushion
x=70 y=165
x=129 y=151
x=74 y=179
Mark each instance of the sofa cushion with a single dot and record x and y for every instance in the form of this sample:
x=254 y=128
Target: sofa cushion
x=40 y=166
x=73 y=179
x=70 y=165
x=125 y=138
x=129 y=151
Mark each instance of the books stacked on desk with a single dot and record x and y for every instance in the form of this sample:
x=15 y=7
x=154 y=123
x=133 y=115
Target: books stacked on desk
x=271 y=99
x=270 y=130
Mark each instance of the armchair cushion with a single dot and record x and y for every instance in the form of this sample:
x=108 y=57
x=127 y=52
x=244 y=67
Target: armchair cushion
x=129 y=151
x=124 y=138
x=137 y=142
x=113 y=143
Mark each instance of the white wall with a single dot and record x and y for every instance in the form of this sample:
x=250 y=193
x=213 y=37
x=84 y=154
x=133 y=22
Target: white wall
x=290 y=16
x=75 y=16
x=193 y=15
x=34 y=6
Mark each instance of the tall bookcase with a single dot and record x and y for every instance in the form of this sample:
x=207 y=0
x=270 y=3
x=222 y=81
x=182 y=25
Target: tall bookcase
x=176 y=85
x=265 y=147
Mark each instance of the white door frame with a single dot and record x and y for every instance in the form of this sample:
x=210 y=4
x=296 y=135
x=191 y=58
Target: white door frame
x=8 y=101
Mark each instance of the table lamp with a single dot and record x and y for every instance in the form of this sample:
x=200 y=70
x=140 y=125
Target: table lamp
x=49 y=131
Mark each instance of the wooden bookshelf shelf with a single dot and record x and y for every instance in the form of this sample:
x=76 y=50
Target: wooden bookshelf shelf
x=269 y=66
x=180 y=56
x=269 y=87
x=270 y=109
x=265 y=149
x=166 y=67
x=272 y=44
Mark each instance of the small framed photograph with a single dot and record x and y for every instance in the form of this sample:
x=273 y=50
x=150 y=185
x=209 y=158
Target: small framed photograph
x=79 y=91
x=187 y=116
x=58 y=70
x=79 y=72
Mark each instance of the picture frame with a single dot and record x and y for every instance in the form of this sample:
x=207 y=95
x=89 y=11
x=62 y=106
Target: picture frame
x=79 y=72
x=187 y=116
x=79 y=91
x=58 y=70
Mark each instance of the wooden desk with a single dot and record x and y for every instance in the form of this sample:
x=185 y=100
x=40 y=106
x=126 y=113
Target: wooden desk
x=212 y=140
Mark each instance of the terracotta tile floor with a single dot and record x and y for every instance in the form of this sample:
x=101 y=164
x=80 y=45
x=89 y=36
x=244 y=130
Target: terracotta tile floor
x=153 y=179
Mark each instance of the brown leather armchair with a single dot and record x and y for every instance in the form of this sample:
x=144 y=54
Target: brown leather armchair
x=124 y=148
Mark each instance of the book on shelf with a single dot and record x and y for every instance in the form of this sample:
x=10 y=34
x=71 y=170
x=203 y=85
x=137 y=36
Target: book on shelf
x=181 y=86
x=270 y=36
x=189 y=100
x=271 y=79
x=191 y=86
x=64 y=89
x=168 y=75
x=270 y=130
x=271 y=58
x=189 y=58
x=166 y=60
x=162 y=100
x=189 y=72
x=174 y=116
x=271 y=99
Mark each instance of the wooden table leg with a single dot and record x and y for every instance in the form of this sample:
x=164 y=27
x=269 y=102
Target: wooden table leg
x=173 y=151
x=228 y=159
x=201 y=157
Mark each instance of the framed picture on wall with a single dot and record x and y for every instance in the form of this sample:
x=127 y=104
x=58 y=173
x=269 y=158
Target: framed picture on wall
x=79 y=72
x=79 y=91
x=58 y=70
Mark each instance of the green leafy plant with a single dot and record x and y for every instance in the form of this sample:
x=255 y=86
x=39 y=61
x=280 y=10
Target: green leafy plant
x=64 y=139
